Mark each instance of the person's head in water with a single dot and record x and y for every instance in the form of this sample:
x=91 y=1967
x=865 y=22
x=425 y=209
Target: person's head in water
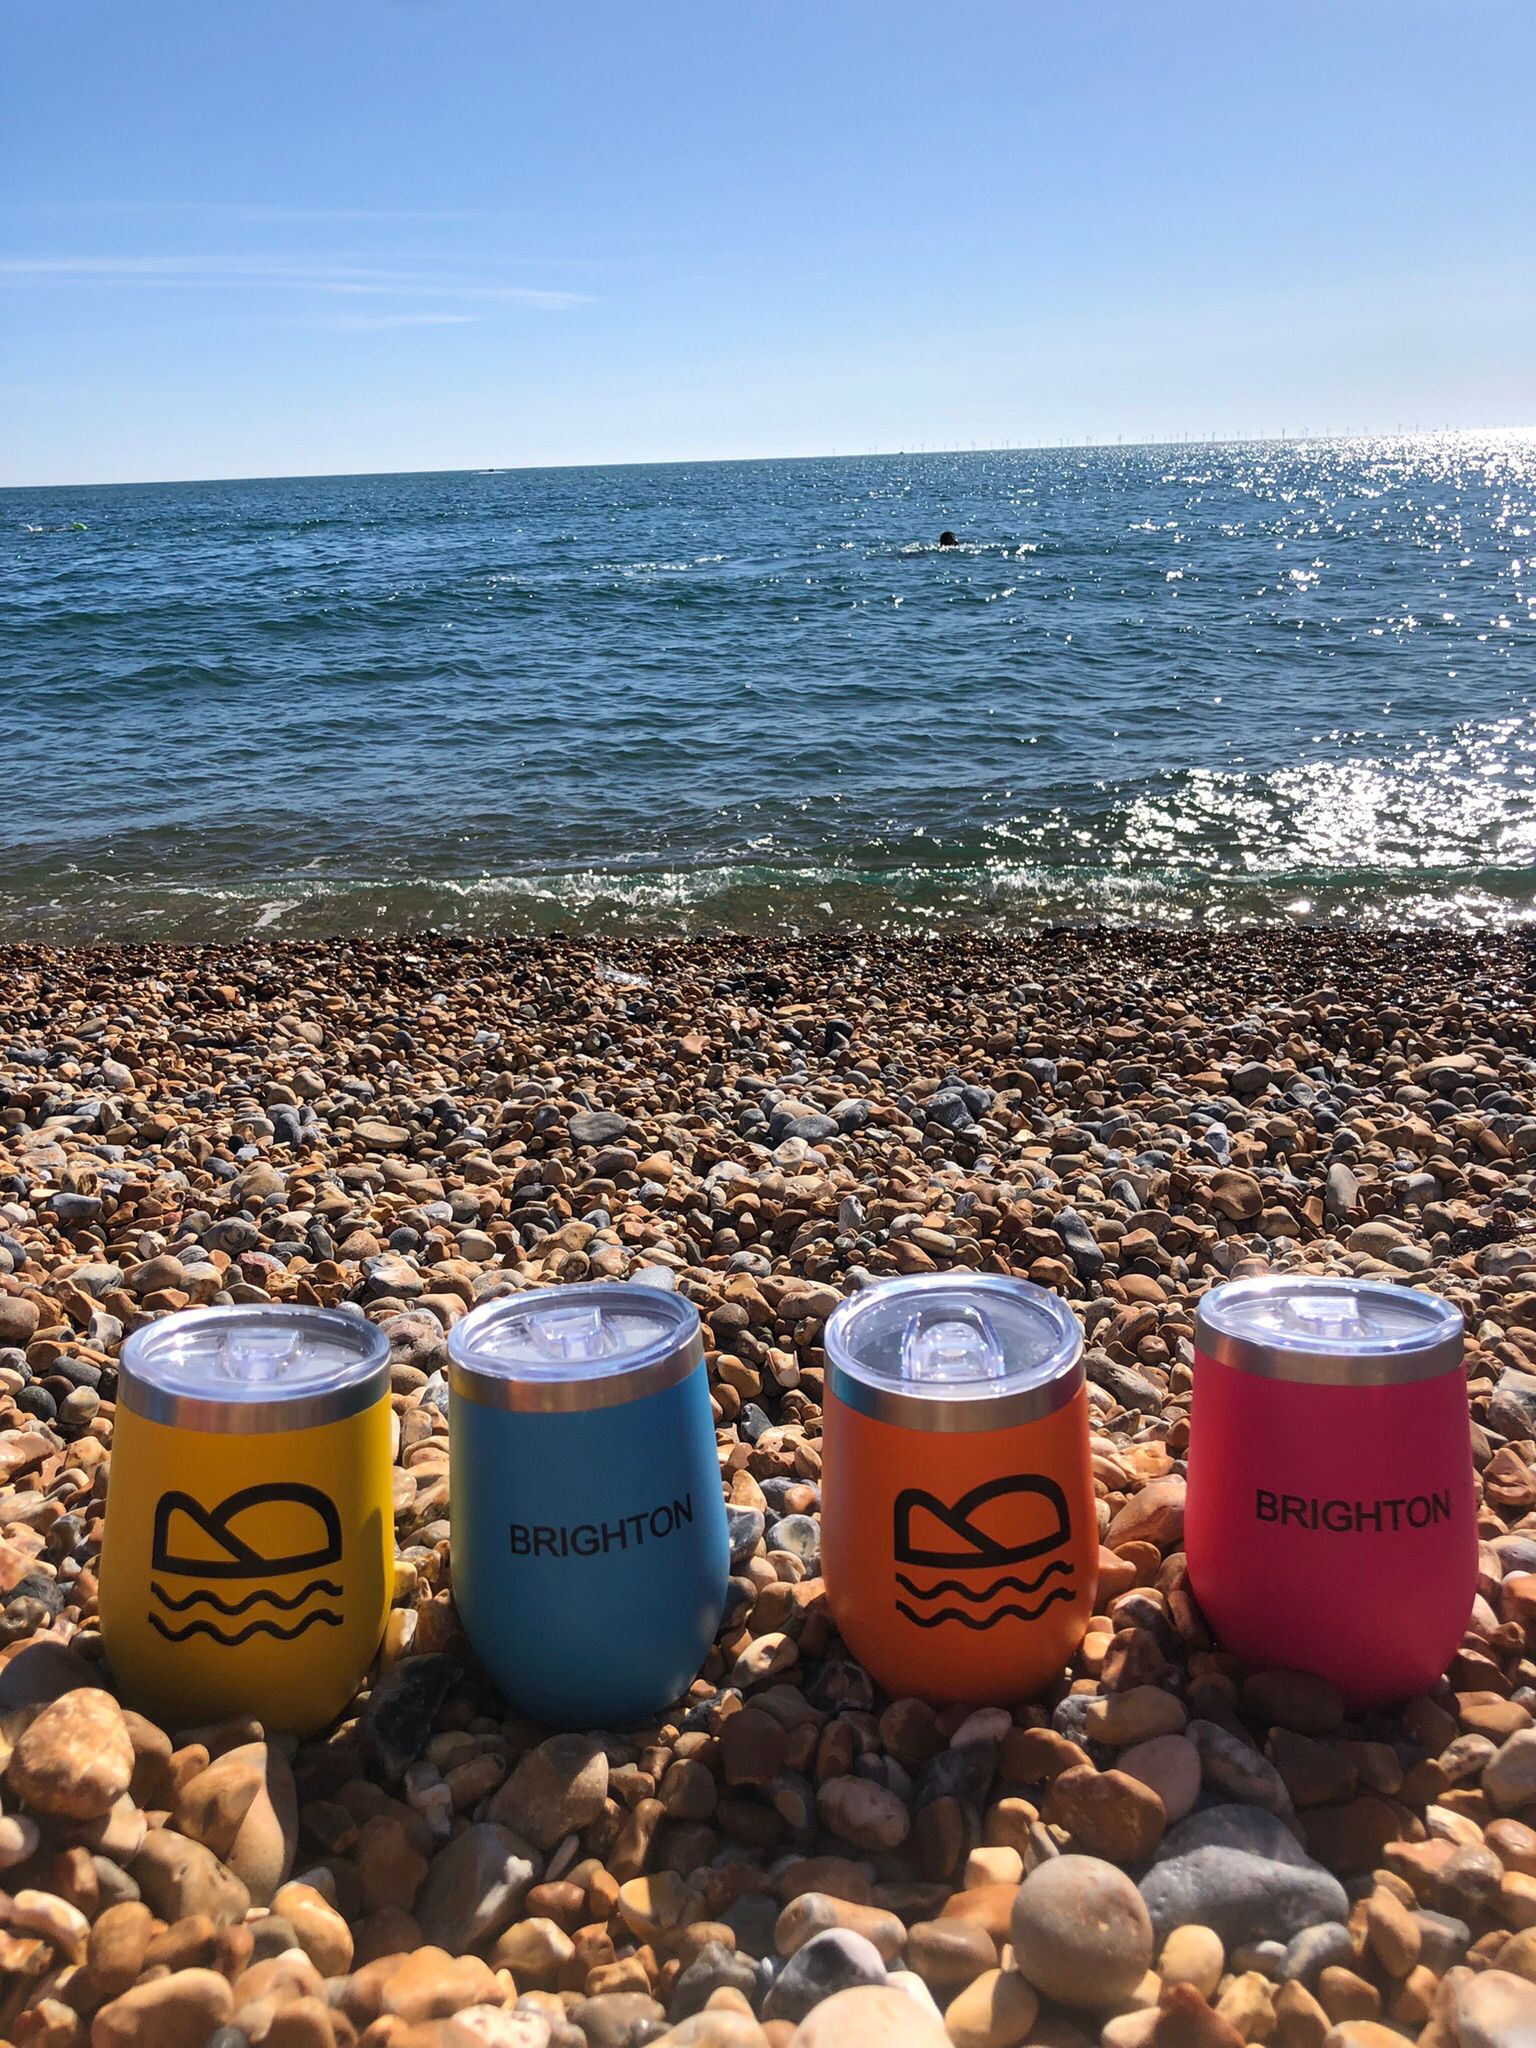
x=947 y=539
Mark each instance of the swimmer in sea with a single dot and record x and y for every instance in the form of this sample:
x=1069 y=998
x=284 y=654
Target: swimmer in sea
x=947 y=539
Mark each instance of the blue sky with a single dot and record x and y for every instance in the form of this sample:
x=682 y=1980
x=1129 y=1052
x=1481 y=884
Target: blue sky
x=288 y=236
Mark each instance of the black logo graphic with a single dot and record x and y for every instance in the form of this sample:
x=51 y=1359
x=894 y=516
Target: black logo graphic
x=996 y=1524
x=261 y=1532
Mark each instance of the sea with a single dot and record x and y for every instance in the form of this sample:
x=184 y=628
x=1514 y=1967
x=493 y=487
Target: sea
x=1195 y=685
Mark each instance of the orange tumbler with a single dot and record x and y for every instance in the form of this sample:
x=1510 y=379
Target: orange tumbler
x=959 y=1538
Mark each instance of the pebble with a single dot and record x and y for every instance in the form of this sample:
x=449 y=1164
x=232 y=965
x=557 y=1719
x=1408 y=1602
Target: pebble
x=812 y=1913
x=1137 y=1715
x=19 y=1838
x=995 y=2010
x=244 y=1808
x=1002 y=1865
x=1392 y=1933
x=474 y=1887
x=715 y=1969
x=1493 y=2010
x=949 y=1954
x=1193 y=1955
x=1154 y=1514
x=320 y=1930
x=177 y=2011
x=718 y=2029
x=1314 y=1950
x=1240 y=1871
x=1230 y=1765
x=75 y=1759
x=556 y=1789
x=1081 y=1933
x=877 y=2017
x=179 y=1878
x=1292 y=1699
x=834 y=1961
x=1107 y=1813
x=1169 y=1766
x=60 y=1923
x=864 y=1813
x=1510 y=1778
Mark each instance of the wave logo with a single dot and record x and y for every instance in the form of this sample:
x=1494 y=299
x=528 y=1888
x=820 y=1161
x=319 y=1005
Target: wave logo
x=263 y=1532
x=1005 y=1522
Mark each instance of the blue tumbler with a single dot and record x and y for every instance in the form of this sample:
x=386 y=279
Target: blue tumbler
x=590 y=1552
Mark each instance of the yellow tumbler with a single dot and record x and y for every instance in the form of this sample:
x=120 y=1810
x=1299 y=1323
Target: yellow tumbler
x=248 y=1555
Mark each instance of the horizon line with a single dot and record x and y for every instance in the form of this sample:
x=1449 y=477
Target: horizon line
x=1098 y=444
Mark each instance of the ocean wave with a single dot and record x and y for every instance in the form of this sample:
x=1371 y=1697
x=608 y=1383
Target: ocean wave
x=766 y=897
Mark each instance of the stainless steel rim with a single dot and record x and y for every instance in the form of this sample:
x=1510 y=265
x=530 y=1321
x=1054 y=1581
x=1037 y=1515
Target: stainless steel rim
x=1264 y=1358
x=953 y=1418
x=305 y=1408
x=667 y=1364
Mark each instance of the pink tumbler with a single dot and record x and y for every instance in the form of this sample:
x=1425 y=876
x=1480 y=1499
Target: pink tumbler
x=1331 y=1522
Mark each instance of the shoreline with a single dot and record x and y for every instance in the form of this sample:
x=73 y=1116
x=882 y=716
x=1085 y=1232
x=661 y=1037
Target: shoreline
x=855 y=916
x=397 y=1122
x=725 y=903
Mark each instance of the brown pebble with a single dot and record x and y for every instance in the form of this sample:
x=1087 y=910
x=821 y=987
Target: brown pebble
x=1080 y=1932
x=1034 y=1756
x=117 y=1945
x=178 y=1878
x=989 y=1905
x=321 y=1931
x=949 y=1954
x=1300 y=2022
x=1393 y=1934
x=870 y=2016
x=190 y=1943
x=812 y=1913
x=1108 y=1813
x=998 y=2009
x=176 y=2011
x=75 y=1759
x=1345 y=1995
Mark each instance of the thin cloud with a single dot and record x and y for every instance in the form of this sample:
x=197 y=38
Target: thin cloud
x=251 y=273
x=365 y=323
x=243 y=210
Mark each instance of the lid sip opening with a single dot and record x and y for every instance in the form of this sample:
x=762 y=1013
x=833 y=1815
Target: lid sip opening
x=254 y=1356
x=574 y=1336
x=953 y=1346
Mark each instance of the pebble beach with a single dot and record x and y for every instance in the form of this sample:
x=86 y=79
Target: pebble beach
x=1167 y=1850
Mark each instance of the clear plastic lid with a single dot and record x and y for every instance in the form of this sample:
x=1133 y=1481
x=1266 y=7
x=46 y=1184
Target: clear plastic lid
x=252 y=1368
x=1320 y=1328
x=574 y=1347
x=949 y=1352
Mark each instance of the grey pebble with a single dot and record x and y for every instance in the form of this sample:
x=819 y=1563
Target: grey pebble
x=1316 y=1949
x=1265 y=1957
x=1444 y=1939
x=834 y=1961
x=746 y=1532
x=1241 y=1871
x=799 y=1535
x=713 y=1967
x=1236 y=1768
